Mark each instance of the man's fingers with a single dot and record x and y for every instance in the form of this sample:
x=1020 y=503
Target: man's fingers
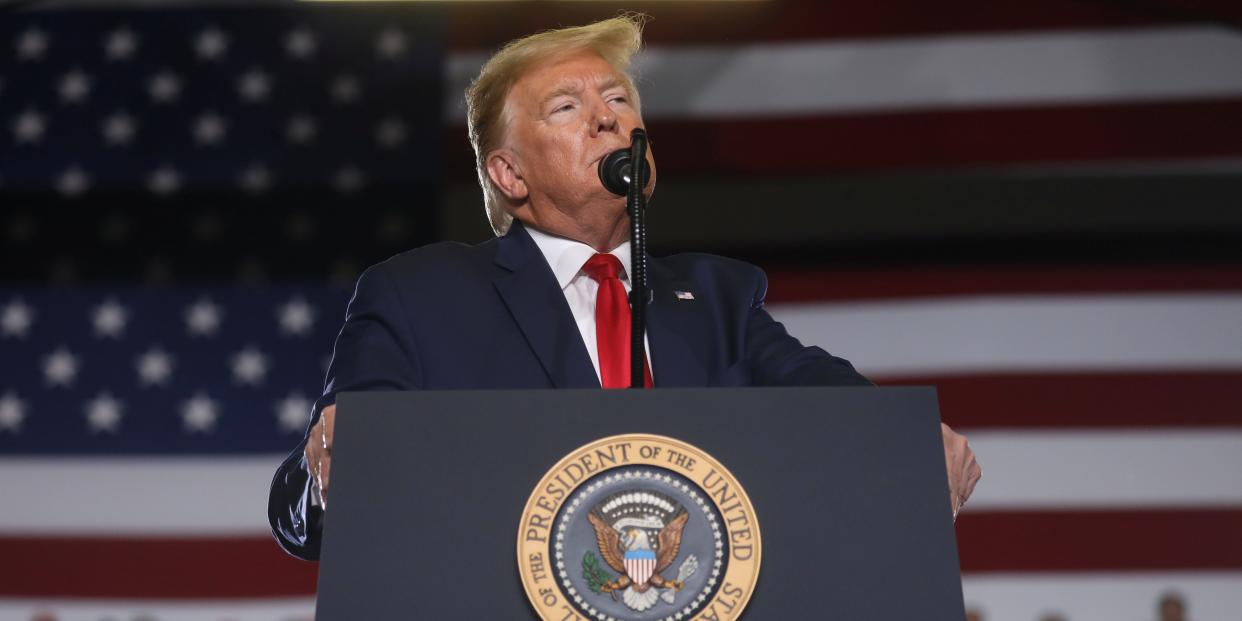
x=320 y=446
x=318 y=451
x=324 y=469
x=972 y=478
x=963 y=469
x=327 y=423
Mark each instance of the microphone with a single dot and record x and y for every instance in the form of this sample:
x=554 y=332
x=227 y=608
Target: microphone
x=614 y=171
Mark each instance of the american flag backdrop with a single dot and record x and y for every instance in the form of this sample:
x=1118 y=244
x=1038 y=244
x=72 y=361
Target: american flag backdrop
x=1035 y=207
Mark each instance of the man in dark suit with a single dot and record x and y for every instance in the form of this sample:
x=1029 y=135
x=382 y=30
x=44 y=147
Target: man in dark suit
x=543 y=304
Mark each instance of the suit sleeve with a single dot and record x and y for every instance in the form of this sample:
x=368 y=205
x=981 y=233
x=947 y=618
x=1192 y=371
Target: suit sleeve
x=778 y=359
x=375 y=350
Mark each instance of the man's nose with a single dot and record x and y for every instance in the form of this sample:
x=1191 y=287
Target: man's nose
x=604 y=120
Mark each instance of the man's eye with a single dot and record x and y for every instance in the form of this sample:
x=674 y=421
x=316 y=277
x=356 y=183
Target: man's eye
x=619 y=100
x=564 y=108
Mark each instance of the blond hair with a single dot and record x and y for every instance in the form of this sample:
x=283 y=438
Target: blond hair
x=616 y=40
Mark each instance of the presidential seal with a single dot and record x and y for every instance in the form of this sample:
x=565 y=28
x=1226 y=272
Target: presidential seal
x=638 y=527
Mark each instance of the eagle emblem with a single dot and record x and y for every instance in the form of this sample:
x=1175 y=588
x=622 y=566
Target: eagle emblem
x=639 y=536
x=632 y=528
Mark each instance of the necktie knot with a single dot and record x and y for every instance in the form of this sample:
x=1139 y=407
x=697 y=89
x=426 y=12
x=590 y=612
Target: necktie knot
x=603 y=267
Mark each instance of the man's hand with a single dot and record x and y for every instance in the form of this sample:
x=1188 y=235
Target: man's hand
x=319 y=451
x=963 y=470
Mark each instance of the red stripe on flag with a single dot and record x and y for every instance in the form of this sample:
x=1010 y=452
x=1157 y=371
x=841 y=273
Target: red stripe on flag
x=1050 y=134
x=1201 y=539
x=1019 y=541
x=1003 y=135
x=1078 y=400
x=163 y=568
x=790 y=286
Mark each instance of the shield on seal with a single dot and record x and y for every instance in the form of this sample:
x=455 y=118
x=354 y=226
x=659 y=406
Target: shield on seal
x=640 y=564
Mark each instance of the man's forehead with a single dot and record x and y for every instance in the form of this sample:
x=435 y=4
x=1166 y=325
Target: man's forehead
x=569 y=73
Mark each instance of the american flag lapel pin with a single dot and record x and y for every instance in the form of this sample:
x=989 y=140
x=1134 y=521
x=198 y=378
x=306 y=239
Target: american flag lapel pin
x=684 y=295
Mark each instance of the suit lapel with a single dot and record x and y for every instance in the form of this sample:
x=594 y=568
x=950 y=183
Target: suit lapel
x=675 y=329
x=528 y=288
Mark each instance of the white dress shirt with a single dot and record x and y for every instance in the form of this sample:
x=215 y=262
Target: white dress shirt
x=566 y=258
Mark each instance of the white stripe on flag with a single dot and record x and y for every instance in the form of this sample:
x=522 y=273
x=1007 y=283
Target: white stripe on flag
x=201 y=496
x=1108 y=468
x=1102 y=597
x=267 y=609
x=901 y=73
x=1015 y=333
x=1026 y=469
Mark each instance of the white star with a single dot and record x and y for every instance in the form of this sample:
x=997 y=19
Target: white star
x=254 y=85
x=209 y=129
x=31 y=44
x=16 y=318
x=12 y=412
x=301 y=43
x=119 y=129
x=293 y=412
x=60 y=368
x=75 y=86
x=249 y=367
x=164 y=181
x=109 y=319
x=199 y=414
x=349 y=179
x=103 y=413
x=211 y=44
x=120 y=44
x=256 y=179
x=390 y=133
x=73 y=182
x=29 y=126
x=154 y=367
x=296 y=317
x=346 y=89
x=390 y=44
x=203 y=318
x=301 y=129
x=164 y=87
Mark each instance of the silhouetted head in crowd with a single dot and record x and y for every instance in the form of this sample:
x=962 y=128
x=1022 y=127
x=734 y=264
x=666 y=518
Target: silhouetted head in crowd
x=1172 y=607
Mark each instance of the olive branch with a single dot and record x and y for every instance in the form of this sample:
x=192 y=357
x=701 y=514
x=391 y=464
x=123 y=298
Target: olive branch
x=594 y=575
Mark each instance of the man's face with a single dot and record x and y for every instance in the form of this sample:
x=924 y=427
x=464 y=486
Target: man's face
x=564 y=117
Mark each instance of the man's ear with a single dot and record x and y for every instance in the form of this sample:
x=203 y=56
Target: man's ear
x=503 y=169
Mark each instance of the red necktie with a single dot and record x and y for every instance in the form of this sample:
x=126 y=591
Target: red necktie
x=612 y=323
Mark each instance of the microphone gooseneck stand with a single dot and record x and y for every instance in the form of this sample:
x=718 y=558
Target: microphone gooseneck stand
x=624 y=172
x=636 y=204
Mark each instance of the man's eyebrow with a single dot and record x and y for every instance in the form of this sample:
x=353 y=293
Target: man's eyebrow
x=575 y=88
x=566 y=88
x=610 y=82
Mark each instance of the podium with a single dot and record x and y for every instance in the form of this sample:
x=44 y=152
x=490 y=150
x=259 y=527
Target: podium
x=434 y=493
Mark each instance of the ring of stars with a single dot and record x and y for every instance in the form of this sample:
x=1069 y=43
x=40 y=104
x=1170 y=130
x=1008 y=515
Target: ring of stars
x=675 y=482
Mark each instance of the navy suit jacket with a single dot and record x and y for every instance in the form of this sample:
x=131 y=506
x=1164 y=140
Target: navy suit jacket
x=492 y=316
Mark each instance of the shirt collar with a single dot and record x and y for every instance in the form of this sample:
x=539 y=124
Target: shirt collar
x=566 y=256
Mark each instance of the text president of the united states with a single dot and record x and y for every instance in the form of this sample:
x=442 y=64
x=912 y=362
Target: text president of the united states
x=543 y=304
